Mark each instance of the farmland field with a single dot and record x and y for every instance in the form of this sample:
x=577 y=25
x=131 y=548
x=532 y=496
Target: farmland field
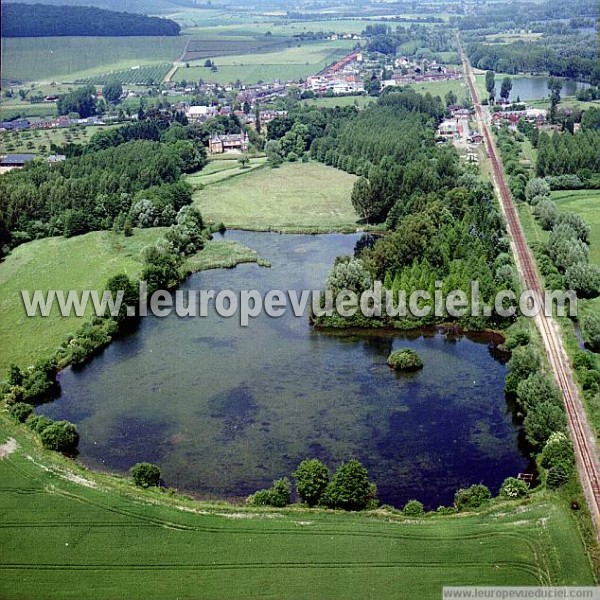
x=207 y=47
x=219 y=170
x=361 y=101
x=73 y=58
x=67 y=532
x=293 y=63
x=296 y=196
x=148 y=75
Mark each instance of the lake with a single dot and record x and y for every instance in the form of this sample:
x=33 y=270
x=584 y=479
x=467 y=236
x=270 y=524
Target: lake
x=224 y=410
x=536 y=88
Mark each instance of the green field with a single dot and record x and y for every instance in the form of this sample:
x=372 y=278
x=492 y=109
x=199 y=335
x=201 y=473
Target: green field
x=360 y=101
x=80 y=263
x=220 y=169
x=70 y=533
x=293 y=63
x=294 y=197
x=73 y=58
x=441 y=88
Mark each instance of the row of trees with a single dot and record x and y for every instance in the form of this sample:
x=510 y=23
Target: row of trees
x=577 y=154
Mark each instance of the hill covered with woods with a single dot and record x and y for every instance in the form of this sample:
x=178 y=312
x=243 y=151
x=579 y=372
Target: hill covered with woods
x=41 y=20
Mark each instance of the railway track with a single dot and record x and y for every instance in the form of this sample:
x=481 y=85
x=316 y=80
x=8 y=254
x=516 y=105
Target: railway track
x=584 y=442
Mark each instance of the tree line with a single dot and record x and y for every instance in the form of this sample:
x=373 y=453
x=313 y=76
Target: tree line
x=44 y=20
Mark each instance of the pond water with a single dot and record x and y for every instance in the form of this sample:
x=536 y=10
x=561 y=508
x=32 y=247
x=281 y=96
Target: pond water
x=225 y=410
x=536 y=88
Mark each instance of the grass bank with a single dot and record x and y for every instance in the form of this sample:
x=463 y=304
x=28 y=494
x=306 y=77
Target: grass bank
x=68 y=532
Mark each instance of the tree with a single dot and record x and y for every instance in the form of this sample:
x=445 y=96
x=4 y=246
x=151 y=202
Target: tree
x=413 y=508
x=584 y=279
x=505 y=88
x=590 y=326
x=349 y=274
x=208 y=63
x=350 y=488
x=537 y=187
x=590 y=121
x=523 y=362
x=472 y=497
x=122 y=283
x=558 y=451
x=274 y=153
x=536 y=389
x=542 y=421
x=81 y=101
x=373 y=86
x=145 y=475
x=312 y=478
x=112 y=92
x=450 y=98
x=513 y=488
x=246 y=107
x=243 y=160
x=490 y=84
x=61 y=436
x=21 y=411
x=555 y=87
x=546 y=213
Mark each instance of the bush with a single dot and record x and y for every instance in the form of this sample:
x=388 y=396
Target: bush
x=278 y=495
x=38 y=423
x=349 y=274
x=584 y=279
x=413 y=508
x=538 y=388
x=312 y=477
x=516 y=339
x=558 y=451
x=558 y=476
x=145 y=475
x=21 y=411
x=536 y=187
x=584 y=360
x=61 y=436
x=472 y=497
x=523 y=362
x=350 y=488
x=513 y=488
x=405 y=359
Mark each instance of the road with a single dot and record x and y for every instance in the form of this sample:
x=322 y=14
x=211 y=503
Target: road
x=584 y=441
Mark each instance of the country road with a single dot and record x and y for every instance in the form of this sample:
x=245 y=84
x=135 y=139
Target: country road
x=584 y=441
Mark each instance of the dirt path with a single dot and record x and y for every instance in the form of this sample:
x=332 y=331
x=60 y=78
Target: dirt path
x=176 y=64
x=584 y=441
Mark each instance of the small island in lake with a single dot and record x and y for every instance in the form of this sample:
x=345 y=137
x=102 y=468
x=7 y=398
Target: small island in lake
x=405 y=359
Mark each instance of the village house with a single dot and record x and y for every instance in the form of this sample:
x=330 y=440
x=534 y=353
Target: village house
x=237 y=142
x=8 y=162
x=198 y=114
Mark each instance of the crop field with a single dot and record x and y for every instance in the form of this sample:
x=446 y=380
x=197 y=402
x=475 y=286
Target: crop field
x=74 y=58
x=80 y=263
x=70 y=533
x=360 y=101
x=295 y=197
x=293 y=63
x=226 y=46
x=149 y=75
x=441 y=88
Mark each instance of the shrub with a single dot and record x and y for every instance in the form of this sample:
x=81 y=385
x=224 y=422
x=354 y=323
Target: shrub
x=61 y=436
x=312 y=477
x=349 y=274
x=405 y=359
x=584 y=360
x=472 y=497
x=584 y=279
x=523 y=362
x=145 y=475
x=516 y=339
x=558 y=451
x=350 y=488
x=278 y=495
x=547 y=214
x=413 y=508
x=558 y=476
x=536 y=187
x=513 y=488
x=38 y=423
x=21 y=411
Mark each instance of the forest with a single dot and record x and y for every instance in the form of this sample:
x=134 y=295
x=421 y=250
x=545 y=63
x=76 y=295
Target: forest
x=42 y=20
x=118 y=182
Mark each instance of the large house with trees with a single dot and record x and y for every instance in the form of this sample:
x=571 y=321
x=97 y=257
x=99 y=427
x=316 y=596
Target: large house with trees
x=236 y=142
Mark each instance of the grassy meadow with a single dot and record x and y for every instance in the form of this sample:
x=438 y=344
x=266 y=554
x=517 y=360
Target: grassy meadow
x=73 y=58
x=296 y=62
x=70 y=533
x=80 y=263
x=295 y=197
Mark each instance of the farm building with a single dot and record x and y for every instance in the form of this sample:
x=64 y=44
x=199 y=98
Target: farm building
x=9 y=162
